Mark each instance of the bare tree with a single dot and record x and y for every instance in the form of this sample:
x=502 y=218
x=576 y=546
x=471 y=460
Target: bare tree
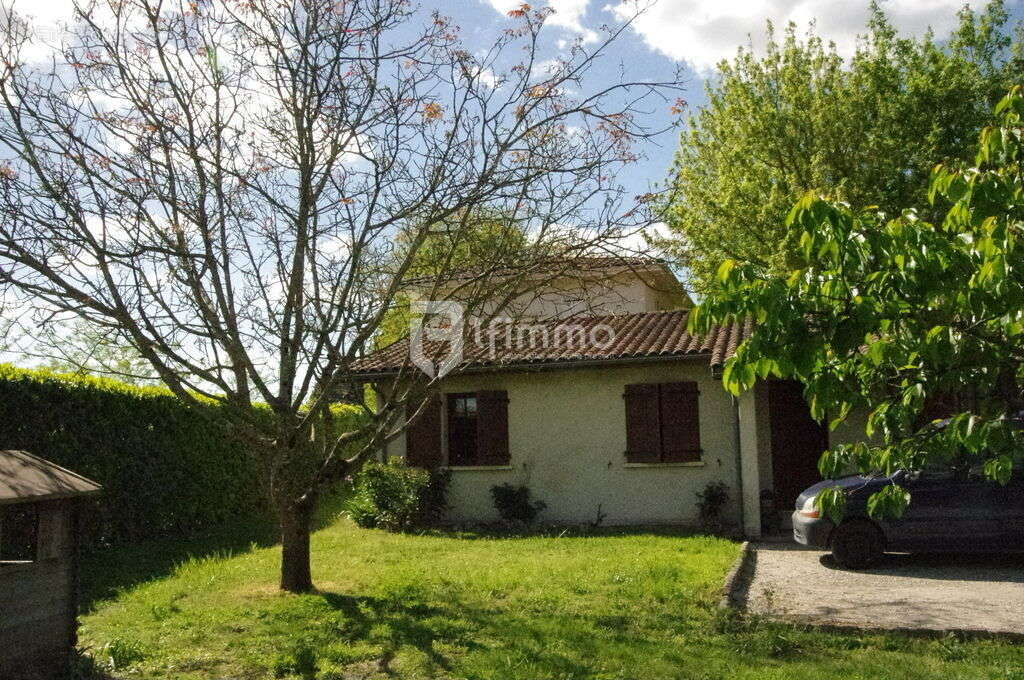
x=221 y=184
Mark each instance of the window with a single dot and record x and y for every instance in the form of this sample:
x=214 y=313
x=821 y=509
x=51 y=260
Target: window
x=662 y=423
x=19 y=533
x=462 y=429
x=478 y=428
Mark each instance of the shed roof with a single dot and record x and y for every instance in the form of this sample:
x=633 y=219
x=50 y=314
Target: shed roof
x=26 y=478
x=643 y=335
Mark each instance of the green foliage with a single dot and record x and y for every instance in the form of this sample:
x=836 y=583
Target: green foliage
x=300 y=661
x=477 y=241
x=514 y=505
x=480 y=240
x=832 y=502
x=866 y=131
x=903 y=318
x=166 y=467
x=396 y=497
x=710 y=503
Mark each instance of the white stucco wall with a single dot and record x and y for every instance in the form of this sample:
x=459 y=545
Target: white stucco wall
x=567 y=437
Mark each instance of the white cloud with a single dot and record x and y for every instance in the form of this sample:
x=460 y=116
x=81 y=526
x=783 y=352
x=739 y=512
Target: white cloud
x=51 y=13
x=543 y=70
x=568 y=14
x=635 y=242
x=49 y=22
x=46 y=23
x=488 y=78
x=703 y=32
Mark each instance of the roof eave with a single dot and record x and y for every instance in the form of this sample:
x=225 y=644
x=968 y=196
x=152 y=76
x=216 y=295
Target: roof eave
x=16 y=500
x=552 y=365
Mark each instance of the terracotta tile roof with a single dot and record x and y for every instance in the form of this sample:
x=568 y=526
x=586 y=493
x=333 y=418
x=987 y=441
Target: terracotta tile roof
x=646 y=335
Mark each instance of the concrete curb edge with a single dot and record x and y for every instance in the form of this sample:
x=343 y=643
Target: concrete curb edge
x=734 y=578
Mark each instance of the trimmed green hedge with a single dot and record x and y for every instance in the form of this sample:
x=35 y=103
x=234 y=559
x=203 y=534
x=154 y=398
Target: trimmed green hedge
x=167 y=467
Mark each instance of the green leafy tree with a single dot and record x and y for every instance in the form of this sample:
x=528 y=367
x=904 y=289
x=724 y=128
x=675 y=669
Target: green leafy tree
x=865 y=130
x=477 y=240
x=895 y=315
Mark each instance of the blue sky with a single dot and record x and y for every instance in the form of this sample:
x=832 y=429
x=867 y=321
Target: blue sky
x=694 y=34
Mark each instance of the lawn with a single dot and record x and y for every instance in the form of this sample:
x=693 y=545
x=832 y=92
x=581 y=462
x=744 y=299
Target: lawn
x=637 y=604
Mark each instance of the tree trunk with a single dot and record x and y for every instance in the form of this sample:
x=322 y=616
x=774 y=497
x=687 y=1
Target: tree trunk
x=296 y=519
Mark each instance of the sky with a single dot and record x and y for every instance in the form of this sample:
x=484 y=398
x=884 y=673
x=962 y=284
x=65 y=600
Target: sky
x=694 y=34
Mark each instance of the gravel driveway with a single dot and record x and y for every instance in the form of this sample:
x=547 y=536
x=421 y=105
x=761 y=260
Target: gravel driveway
x=928 y=592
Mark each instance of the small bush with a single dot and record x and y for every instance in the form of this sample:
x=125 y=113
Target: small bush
x=434 y=500
x=514 y=505
x=710 y=503
x=395 y=497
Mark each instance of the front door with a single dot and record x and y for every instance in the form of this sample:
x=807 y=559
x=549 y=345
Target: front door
x=797 y=441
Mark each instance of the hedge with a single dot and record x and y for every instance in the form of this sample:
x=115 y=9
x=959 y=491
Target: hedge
x=167 y=467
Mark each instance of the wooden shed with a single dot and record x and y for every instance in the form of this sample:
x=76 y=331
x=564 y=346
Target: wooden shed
x=38 y=565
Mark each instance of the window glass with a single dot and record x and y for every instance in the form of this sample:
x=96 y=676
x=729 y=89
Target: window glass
x=462 y=430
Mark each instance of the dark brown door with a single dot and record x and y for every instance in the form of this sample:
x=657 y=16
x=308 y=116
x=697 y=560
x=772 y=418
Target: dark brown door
x=797 y=442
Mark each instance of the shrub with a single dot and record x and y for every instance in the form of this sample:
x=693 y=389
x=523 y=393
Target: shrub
x=710 y=503
x=434 y=501
x=514 y=505
x=396 y=497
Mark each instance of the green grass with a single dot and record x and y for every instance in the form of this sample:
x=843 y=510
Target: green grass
x=623 y=605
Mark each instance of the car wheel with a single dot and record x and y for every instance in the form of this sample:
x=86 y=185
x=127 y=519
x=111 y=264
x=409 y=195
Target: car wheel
x=857 y=545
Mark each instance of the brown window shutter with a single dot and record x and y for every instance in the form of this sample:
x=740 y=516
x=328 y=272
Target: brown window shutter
x=492 y=427
x=680 y=422
x=423 y=437
x=643 y=430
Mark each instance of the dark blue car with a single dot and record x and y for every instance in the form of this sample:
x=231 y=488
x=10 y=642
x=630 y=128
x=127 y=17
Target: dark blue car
x=950 y=510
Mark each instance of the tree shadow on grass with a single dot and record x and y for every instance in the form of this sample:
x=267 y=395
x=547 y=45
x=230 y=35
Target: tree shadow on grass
x=547 y=642
x=412 y=624
x=106 y=572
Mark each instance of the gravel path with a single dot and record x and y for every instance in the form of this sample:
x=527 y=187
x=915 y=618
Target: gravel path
x=928 y=592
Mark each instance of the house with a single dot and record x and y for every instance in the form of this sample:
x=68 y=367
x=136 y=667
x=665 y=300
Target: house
x=564 y=288
x=598 y=399
x=39 y=505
